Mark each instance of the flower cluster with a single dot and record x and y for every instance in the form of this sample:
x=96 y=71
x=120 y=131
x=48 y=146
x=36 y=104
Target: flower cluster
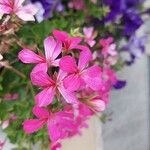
x=11 y=7
x=73 y=86
x=72 y=78
x=129 y=17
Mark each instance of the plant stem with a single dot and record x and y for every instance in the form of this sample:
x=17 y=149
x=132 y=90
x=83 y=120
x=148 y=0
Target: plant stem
x=17 y=72
x=31 y=88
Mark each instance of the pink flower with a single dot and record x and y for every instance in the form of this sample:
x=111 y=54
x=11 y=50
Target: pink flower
x=2 y=143
x=13 y=117
x=97 y=104
x=89 y=36
x=107 y=47
x=69 y=43
x=81 y=74
x=92 y=99
x=58 y=124
x=52 y=50
x=55 y=146
x=5 y=124
x=25 y=13
x=76 y=4
x=51 y=87
x=81 y=114
x=109 y=79
x=9 y=96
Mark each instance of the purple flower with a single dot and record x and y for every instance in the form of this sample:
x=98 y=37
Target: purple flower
x=135 y=47
x=115 y=9
x=132 y=21
x=128 y=11
x=120 y=84
x=50 y=6
x=133 y=3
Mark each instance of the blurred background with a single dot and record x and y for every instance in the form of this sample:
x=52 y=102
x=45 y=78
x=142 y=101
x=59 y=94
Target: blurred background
x=129 y=108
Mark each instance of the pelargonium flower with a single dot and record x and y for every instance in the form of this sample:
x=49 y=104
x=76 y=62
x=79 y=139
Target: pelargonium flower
x=52 y=50
x=81 y=114
x=80 y=88
x=58 y=123
x=108 y=52
x=25 y=13
x=51 y=87
x=2 y=143
x=89 y=36
x=92 y=100
x=69 y=43
x=81 y=74
x=108 y=48
x=97 y=104
x=62 y=124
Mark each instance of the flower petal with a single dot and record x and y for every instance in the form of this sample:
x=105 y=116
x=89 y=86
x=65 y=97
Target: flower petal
x=70 y=97
x=68 y=64
x=57 y=49
x=49 y=45
x=28 y=56
x=120 y=84
x=18 y=3
x=74 y=42
x=94 y=71
x=45 y=97
x=41 y=79
x=88 y=31
x=5 y=7
x=33 y=125
x=55 y=146
x=60 y=35
x=40 y=67
x=93 y=77
x=53 y=131
x=40 y=112
x=85 y=57
x=27 y=12
x=91 y=43
x=72 y=82
x=98 y=104
x=94 y=83
x=55 y=62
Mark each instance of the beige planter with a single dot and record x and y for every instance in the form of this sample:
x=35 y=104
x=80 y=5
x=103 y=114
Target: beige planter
x=90 y=140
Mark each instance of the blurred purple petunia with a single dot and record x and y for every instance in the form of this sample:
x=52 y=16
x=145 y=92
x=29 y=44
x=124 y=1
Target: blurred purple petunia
x=128 y=11
x=50 y=6
x=120 y=84
x=135 y=47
